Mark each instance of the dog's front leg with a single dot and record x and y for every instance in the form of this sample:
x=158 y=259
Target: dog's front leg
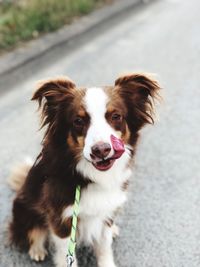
x=103 y=248
x=61 y=245
x=60 y=234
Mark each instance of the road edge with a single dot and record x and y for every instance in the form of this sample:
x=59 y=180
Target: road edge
x=34 y=49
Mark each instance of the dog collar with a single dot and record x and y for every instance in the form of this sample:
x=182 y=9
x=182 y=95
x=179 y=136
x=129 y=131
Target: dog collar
x=72 y=242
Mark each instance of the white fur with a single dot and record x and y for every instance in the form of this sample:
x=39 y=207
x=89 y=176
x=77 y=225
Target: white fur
x=100 y=199
x=37 y=249
x=61 y=245
x=103 y=249
x=19 y=174
x=67 y=213
x=99 y=130
x=117 y=174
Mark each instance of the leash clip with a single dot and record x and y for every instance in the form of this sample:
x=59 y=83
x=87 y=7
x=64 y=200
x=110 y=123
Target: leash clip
x=70 y=260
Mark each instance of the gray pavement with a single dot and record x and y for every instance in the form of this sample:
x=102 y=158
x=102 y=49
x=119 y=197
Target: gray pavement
x=15 y=60
x=160 y=226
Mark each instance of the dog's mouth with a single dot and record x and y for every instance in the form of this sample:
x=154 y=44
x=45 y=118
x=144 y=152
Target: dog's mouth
x=106 y=164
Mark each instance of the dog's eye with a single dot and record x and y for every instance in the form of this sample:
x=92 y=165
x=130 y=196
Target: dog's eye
x=116 y=117
x=78 y=122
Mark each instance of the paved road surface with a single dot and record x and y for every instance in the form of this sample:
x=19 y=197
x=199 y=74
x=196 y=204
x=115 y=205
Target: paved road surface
x=161 y=224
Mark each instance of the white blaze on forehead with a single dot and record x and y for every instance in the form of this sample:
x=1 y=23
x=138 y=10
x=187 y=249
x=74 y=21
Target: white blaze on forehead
x=96 y=100
x=99 y=130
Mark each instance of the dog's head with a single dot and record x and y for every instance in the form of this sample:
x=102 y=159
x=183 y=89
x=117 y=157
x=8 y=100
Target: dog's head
x=97 y=125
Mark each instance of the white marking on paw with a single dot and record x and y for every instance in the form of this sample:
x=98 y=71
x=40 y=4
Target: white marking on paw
x=61 y=245
x=37 y=253
x=37 y=238
x=107 y=264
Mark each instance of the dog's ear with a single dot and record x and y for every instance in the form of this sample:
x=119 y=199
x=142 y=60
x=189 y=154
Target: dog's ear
x=138 y=92
x=51 y=95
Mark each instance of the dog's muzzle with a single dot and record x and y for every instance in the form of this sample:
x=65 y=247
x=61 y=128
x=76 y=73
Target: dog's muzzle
x=101 y=150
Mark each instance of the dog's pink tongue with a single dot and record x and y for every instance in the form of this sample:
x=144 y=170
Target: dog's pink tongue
x=118 y=146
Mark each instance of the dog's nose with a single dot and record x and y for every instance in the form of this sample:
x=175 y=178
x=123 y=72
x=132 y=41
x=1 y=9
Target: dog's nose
x=101 y=150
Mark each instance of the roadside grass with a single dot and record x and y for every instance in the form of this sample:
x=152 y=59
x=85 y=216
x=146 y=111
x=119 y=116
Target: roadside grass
x=22 y=20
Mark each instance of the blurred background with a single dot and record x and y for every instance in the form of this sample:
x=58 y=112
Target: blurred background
x=22 y=20
x=92 y=42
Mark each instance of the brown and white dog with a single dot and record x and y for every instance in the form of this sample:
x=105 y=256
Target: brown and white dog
x=90 y=140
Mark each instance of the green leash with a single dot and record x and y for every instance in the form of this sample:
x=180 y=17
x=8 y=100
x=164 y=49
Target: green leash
x=72 y=241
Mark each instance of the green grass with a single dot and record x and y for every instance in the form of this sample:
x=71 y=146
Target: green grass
x=26 y=19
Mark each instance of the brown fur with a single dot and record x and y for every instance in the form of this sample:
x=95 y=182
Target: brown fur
x=138 y=92
x=50 y=184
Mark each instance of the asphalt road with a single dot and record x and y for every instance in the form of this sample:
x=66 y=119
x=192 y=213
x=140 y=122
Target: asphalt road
x=160 y=226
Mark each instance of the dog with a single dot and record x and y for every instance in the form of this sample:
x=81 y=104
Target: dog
x=90 y=140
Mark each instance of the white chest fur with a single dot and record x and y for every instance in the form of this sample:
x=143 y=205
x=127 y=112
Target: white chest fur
x=100 y=202
x=101 y=198
x=96 y=207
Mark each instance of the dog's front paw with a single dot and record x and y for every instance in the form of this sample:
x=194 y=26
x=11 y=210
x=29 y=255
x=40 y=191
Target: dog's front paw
x=37 y=253
x=61 y=262
x=107 y=264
